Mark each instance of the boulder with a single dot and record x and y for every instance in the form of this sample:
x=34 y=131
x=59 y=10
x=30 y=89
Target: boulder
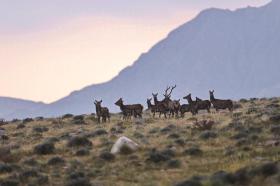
x=124 y=143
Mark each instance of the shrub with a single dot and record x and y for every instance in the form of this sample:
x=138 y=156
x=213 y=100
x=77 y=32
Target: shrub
x=27 y=120
x=207 y=135
x=56 y=161
x=82 y=152
x=40 y=129
x=44 y=148
x=107 y=156
x=157 y=157
x=193 y=151
x=78 y=141
x=65 y=116
x=173 y=164
x=5 y=168
x=20 y=126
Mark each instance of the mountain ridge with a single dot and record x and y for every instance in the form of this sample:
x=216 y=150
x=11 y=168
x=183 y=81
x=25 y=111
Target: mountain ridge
x=234 y=52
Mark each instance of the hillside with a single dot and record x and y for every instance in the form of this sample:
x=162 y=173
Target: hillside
x=241 y=148
x=12 y=106
x=234 y=52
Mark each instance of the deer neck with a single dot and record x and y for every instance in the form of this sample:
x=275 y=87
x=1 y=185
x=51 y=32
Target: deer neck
x=98 y=109
x=212 y=98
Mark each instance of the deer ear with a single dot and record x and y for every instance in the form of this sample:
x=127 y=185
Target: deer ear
x=101 y=101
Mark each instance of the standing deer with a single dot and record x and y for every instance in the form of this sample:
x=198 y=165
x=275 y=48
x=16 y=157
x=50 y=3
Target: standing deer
x=192 y=104
x=168 y=103
x=219 y=103
x=101 y=112
x=203 y=104
x=160 y=107
x=152 y=107
x=135 y=110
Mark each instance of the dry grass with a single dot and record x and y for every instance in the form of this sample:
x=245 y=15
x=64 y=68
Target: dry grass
x=219 y=153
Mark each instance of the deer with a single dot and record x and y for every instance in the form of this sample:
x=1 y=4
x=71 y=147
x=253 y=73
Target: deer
x=151 y=107
x=101 y=112
x=192 y=104
x=203 y=104
x=177 y=107
x=219 y=103
x=135 y=110
x=169 y=104
x=184 y=108
x=160 y=106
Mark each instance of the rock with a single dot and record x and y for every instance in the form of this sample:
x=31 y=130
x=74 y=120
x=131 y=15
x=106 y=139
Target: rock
x=124 y=143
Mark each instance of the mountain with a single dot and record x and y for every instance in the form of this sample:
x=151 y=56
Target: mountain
x=237 y=53
x=10 y=107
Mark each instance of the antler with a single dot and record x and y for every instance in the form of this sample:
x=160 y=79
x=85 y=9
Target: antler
x=166 y=90
x=173 y=87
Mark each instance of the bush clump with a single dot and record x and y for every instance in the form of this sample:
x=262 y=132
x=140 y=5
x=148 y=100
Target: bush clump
x=78 y=141
x=44 y=148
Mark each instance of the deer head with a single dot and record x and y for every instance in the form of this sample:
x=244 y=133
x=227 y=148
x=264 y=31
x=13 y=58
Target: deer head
x=119 y=102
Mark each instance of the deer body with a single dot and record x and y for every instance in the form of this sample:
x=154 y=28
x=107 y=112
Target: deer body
x=192 y=104
x=101 y=112
x=184 y=108
x=135 y=110
x=160 y=106
x=151 y=107
x=219 y=103
x=203 y=104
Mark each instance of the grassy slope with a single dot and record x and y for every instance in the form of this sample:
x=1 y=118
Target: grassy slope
x=135 y=169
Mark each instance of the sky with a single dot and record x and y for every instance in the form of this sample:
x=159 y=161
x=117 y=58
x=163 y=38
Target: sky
x=50 y=48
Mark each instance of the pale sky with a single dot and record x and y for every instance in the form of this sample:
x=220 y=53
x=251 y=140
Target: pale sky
x=51 y=48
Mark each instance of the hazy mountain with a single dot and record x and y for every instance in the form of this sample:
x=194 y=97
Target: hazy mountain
x=237 y=53
x=9 y=107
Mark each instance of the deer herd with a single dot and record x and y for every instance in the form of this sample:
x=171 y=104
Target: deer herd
x=166 y=107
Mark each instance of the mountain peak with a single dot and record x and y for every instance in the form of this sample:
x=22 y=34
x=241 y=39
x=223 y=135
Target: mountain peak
x=220 y=49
